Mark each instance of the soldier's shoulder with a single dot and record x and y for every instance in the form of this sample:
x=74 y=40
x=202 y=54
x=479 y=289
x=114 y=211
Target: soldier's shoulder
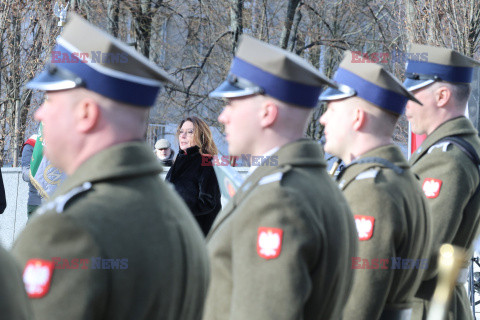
x=272 y=179
x=295 y=189
x=51 y=233
x=375 y=184
x=270 y=187
x=448 y=157
x=447 y=149
x=58 y=204
x=293 y=180
x=269 y=180
x=368 y=176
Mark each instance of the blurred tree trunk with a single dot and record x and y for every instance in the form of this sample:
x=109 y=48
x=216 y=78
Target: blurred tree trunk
x=6 y=7
x=412 y=21
x=113 y=9
x=295 y=37
x=236 y=22
x=14 y=82
x=287 y=25
x=143 y=12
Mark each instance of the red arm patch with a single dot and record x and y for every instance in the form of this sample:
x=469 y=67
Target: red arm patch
x=37 y=276
x=431 y=187
x=365 y=226
x=269 y=242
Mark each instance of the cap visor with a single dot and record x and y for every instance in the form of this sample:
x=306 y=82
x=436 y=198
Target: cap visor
x=47 y=81
x=333 y=94
x=227 y=90
x=412 y=84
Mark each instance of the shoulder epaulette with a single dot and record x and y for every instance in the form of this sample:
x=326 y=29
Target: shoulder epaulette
x=277 y=176
x=382 y=162
x=369 y=174
x=373 y=160
x=439 y=145
x=58 y=204
x=462 y=144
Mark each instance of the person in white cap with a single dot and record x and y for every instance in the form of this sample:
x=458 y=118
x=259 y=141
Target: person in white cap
x=114 y=242
x=282 y=247
x=164 y=153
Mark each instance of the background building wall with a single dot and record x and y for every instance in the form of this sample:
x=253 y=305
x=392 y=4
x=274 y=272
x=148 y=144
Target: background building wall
x=14 y=218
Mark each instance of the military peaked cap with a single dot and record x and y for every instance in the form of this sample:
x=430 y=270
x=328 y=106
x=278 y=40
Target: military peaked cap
x=371 y=82
x=261 y=68
x=86 y=56
x=428 y=64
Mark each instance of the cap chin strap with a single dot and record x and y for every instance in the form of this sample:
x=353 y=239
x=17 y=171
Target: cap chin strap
x=65 y=75
x=55 y=78
x=416 y=76
x=342 y=92
x=244 y=84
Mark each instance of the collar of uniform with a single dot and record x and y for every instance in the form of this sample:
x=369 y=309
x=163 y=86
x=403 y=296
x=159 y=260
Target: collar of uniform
x=302 y=152
x=389 y=152
x=266 y=154
x=298 y=153
x=452 y=127
x=119 y=161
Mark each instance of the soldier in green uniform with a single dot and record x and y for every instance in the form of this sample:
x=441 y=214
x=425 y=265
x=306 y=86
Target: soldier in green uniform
x=445 y=162
x=391 y=215
x=115 y=242
x=281 y=248
x=14 y=303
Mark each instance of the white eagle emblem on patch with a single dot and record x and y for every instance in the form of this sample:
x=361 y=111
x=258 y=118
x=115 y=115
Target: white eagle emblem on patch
x=269 y=242
x=37 y=276
x=365 y=226
x=431 y=187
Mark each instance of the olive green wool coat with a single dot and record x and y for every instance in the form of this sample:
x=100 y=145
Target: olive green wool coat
x=394 y=225
x=14 y=303
x=449 y=180
x=281 y=248
x=115 y=206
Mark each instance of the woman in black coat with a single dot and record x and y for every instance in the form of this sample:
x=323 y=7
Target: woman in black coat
x=192 y=173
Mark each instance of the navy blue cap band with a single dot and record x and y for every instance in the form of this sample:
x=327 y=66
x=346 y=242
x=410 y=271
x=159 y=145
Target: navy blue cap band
x=377 y=95
x=445 y=73
x=281 y=89
x=118 y=89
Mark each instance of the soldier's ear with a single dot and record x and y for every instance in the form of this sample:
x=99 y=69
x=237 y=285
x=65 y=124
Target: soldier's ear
x=442 y=95
x=359 y=117
x=87 y=113
x=268 y=113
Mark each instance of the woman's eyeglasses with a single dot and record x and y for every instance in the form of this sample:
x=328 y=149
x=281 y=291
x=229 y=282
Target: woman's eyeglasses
x=188 y=132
